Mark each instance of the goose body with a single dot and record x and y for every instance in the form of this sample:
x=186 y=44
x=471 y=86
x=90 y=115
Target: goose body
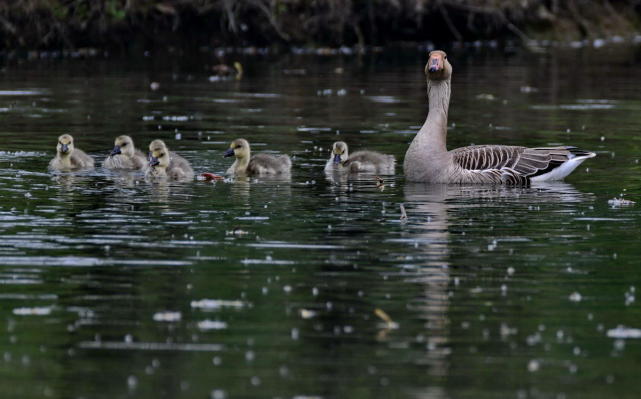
x=125 y=155
x=247 y=164
x=428 y=160
x=68 y=158
x=165 y=164
x=359 y=162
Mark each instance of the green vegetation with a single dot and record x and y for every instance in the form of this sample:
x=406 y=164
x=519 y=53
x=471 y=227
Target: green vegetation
x=40 y=24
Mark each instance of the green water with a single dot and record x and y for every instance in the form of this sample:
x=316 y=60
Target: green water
x=111 y=287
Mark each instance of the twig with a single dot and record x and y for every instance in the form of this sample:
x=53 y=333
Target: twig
x=448 y=22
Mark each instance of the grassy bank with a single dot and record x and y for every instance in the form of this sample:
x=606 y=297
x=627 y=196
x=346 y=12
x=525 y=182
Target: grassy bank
x=47 y=24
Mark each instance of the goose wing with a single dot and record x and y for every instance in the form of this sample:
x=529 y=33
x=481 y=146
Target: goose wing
x=513 y=164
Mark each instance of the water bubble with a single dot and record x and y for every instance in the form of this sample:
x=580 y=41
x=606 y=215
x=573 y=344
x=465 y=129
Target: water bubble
x=575 y=297
x=132 y=382
x=217 y=394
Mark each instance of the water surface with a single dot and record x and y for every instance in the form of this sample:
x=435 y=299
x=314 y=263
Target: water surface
x=115 y=287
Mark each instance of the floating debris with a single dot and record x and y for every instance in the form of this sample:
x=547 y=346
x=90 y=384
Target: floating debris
x=168 y=316
x=36 y=311
x=624 y=332
x=218 y=304
x=307 y=314
x=486 y=97
x=389 y=323
x=212 y=325
x=533 y=366
x=528 y=89
x=575 y=297
x=617 y=202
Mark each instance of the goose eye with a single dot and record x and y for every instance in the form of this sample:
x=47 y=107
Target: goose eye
x=123 y=144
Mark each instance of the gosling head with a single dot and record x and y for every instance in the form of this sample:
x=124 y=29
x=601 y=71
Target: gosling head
x=238 y=148
x=158 y=155
x=123 y=145
x=339 y=152
x=438 y=67
x=65 y=145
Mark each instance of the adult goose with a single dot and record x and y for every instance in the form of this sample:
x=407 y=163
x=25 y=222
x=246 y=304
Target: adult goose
x=68 y=157
x=359 y=162
x=125 y=155
x=247 y=164
x=165 y=164
x=428 y=160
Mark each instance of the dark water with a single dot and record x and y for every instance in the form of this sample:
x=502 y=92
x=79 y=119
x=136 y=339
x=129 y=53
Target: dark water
x=111 y=287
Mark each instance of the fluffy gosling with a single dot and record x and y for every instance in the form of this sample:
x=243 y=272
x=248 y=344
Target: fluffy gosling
x=125 y=155
x=166 y=164
x=69 y=158
x=256 y=165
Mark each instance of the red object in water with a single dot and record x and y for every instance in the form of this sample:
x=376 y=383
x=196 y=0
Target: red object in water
x=211 y=176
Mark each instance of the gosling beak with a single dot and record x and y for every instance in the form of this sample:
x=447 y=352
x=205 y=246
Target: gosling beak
x=229 y=153
x=153 y=161
x=337 y=158
x=64 y=148
x=116 y=150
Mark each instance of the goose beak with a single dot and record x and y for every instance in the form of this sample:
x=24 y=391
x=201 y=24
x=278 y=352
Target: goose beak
x=153 y=161
x=229 y=153
x=337 y=158
x=64 y=148
x=116 y=150
x=433 y=65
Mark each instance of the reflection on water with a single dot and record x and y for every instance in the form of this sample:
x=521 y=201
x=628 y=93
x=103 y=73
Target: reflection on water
x=117 y=286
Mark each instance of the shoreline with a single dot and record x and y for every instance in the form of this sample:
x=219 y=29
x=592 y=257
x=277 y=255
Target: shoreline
x=83 y=28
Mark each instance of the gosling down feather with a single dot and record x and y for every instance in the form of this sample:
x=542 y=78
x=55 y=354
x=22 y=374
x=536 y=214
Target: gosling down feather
x=428 y=160
x=359 y=162
x=247 y=164
x=125 y=155
x=69 y=158
x=166 y=164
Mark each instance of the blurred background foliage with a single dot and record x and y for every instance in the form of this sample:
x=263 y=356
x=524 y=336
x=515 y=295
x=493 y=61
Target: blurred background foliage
x=42 y=24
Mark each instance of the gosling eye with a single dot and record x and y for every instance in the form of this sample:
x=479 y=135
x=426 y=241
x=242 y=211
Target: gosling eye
x=239 y=146
x=123 y=144
x=161 y=155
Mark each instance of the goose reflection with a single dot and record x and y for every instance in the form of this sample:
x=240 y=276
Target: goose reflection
x=430 y=209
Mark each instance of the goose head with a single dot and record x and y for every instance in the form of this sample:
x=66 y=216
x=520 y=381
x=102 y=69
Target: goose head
x=123 y=145
x=65 y=145
x=238 y=148
x=158 y=155
x=438 y=67
x=340 y=152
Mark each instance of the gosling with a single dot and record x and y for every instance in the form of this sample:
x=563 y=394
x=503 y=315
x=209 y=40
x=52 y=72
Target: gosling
x=166 y=164
x=69 y=158
x=359 y=162
x=125 y=155
x=256 y=165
